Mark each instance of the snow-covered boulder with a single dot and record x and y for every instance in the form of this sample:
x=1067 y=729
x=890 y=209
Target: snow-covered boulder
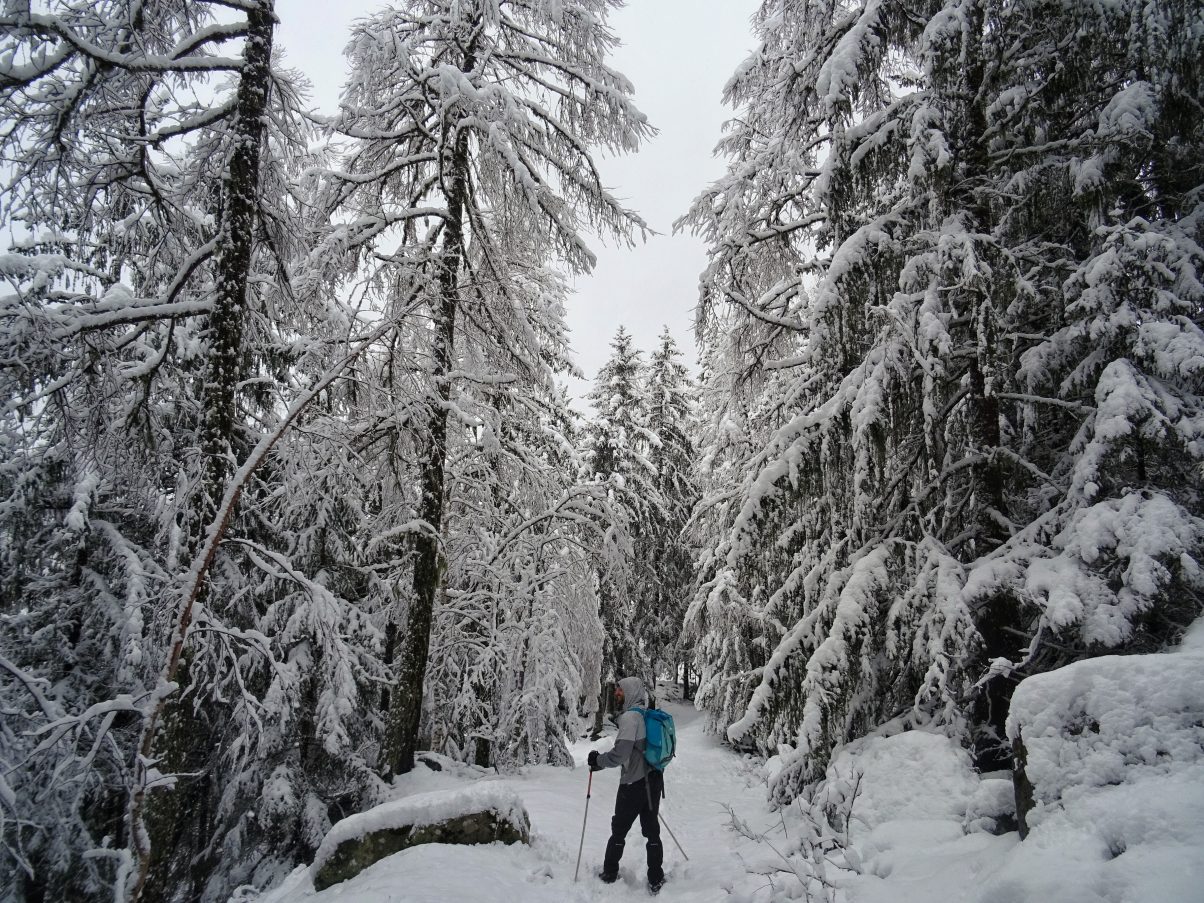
x=480 y=813
x=1104 y=722
x=1114 y=763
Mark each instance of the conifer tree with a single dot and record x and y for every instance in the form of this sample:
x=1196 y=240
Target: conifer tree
x=477 y=173
x=935 y=257
x=665 y=549
x=618 y=445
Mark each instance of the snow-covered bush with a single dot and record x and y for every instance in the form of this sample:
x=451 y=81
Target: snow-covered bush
x=910 y=775
x=885 y=801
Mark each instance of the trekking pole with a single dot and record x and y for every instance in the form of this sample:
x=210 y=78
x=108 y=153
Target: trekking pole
x=674 y=836
x=589 y=787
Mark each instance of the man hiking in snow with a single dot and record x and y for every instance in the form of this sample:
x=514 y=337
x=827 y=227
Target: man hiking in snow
x=640 y=786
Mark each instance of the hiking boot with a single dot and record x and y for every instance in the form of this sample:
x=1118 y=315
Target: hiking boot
x=608 y=877
x=654 y=887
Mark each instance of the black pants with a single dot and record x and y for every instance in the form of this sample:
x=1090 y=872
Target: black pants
x=641 y=799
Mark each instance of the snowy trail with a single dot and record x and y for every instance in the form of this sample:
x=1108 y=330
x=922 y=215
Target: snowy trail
x=919 y=833
x=699 y=783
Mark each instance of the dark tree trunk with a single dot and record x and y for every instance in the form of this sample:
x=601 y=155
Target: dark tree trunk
x=605 y=704
x=240 y=201
x=405 y=709
x=987 y=518
x=974 y=171
x=1022 y=787
x=390 y=653
x=483 y=753
x=179 y=822
x=610 y=672
x=986 y=438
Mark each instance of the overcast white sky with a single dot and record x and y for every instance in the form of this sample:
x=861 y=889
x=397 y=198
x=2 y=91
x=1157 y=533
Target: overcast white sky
x=679 y=54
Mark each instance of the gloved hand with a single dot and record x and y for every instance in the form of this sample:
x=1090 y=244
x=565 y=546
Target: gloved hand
x=592 y=759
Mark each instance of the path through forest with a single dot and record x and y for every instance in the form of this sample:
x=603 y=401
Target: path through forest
x=703 y=780
x=922 y=823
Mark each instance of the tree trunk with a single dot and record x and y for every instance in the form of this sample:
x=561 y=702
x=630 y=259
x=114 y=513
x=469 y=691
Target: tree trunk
x=1022 y=787
x=984 y=425
x=178 y=822
x=604 y=705
x=240 y=201
x=405 y=711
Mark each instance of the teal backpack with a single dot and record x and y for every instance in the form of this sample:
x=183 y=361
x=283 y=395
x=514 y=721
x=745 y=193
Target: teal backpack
x=662 y=737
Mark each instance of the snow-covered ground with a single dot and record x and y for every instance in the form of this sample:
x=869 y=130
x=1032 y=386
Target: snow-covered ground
x=907 y=827
x=699 y=783
x=918 y=831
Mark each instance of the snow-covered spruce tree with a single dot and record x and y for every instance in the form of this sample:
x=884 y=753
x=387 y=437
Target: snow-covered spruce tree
x=807 y=560
x=917 y=204
x=738 y=408
x=1098 y=183
x=666 y=551
x=472 y=125
x=617 y=447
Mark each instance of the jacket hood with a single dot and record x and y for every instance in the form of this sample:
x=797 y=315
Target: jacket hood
x=633 y=693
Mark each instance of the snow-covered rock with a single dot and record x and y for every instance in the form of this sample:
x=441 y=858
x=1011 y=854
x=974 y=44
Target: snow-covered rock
x=1114 y=766
x=1107 y=721
x=479 y=813
x=992 y=808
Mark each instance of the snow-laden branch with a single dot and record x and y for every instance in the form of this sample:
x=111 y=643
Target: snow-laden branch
x=54 y=26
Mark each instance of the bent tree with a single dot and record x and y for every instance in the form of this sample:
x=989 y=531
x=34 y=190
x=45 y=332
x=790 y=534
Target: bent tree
x=471 y=127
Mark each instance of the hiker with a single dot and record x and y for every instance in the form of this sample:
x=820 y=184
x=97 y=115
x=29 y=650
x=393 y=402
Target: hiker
x=640 y=786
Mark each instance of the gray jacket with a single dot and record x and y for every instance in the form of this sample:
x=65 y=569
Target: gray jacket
x=628 y=750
